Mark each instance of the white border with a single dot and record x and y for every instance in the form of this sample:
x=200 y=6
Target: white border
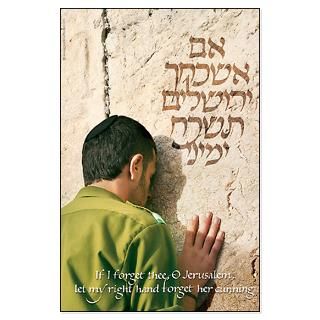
x=30 y=159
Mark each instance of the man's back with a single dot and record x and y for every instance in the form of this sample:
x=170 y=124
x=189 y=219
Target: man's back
x=101 y=232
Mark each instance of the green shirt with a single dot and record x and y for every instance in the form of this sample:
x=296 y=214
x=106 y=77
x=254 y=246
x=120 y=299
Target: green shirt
x=104 y=242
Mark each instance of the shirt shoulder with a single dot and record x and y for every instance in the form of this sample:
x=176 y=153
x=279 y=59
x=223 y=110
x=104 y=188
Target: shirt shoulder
x=128 y=210
x=124 y=220
x=158 y=219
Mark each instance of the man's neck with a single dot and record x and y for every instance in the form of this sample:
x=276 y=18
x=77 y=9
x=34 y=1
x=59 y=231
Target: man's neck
x=116 y=186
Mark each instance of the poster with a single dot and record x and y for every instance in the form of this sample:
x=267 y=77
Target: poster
x=191 y=77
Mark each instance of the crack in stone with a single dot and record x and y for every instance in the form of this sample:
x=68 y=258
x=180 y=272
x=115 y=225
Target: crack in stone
x=228 y=188
x=253 y=267
x=241 y=189
x=105 y=32
x=241 y=153
x=63 y=35
x=129 y=25
x=255 y=30
x=147 y=60
x=235 y=174
x=237 y=15
x=230 y=207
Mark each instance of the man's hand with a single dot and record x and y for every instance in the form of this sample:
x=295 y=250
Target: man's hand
x=202 y=245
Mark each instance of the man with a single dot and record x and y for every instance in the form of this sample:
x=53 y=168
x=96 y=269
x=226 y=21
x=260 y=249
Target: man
x=115 y=254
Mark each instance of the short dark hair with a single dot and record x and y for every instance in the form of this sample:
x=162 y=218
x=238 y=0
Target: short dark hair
x=105 y=155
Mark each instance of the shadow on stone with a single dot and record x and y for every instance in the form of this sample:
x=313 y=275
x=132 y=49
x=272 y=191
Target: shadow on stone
x=168 y=186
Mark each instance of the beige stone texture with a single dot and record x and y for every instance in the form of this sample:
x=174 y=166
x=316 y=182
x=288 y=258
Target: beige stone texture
x=138 y=46
x=82 y=90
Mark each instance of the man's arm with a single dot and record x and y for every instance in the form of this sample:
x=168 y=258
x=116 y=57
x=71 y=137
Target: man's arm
x=152 y=253
x=152 y=250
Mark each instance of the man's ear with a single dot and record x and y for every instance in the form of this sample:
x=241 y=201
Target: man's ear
x=136 y=167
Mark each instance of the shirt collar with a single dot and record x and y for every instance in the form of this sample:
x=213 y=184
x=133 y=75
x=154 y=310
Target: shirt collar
x=92 y=191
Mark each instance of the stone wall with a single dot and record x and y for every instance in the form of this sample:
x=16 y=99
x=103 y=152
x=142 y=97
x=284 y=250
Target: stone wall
x=82 y=90
x=192 y=78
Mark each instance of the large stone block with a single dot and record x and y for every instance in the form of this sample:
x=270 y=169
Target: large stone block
x=82 y=90
x=192 y=77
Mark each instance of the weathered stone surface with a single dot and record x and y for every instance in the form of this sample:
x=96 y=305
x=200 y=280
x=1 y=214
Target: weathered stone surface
x=139 y=45
x=82 y=90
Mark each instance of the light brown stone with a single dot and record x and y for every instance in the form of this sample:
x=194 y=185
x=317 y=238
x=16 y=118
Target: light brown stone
x=82 y=90
x=138 y=46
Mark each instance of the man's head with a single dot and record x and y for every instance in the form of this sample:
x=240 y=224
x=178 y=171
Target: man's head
x=122 y=151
